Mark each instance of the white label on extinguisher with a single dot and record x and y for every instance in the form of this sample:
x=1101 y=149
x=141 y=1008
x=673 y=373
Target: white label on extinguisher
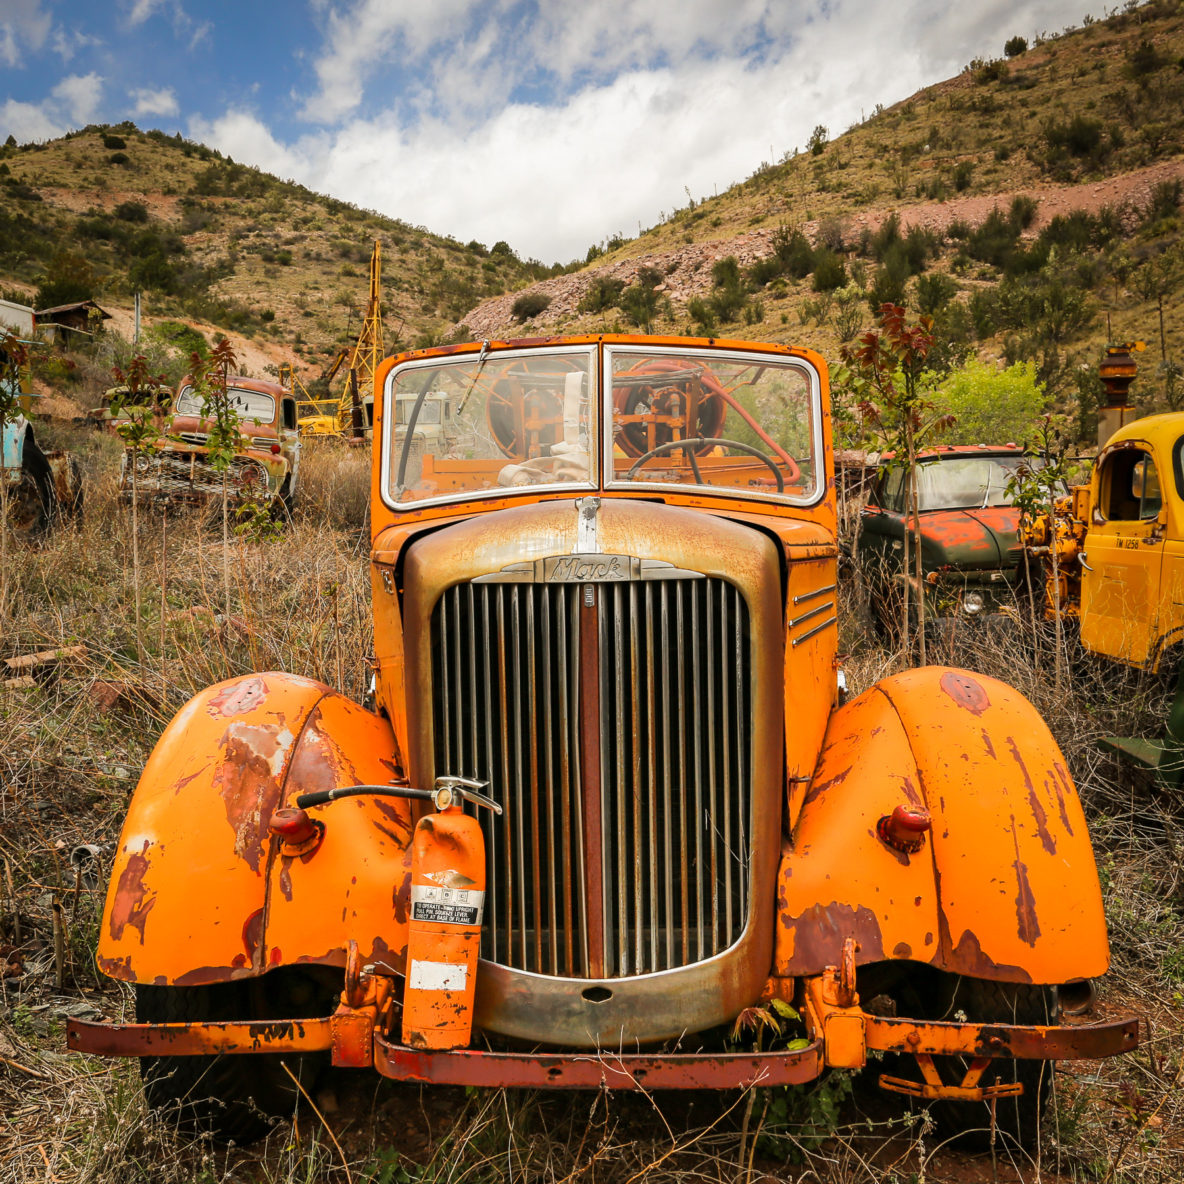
x=437 y=976
x=448 y=906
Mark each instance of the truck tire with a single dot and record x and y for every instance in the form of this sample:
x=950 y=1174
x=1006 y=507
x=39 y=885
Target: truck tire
x=235 y=1098
x=968 y=1124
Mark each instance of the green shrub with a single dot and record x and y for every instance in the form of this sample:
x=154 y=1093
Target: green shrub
x=1015 y=46
x=113 y=143
x=934 y=292
x=529 y=305
x=131 y=211
x=119 y=158
x=703 y=315
x=830 y=272
x=602 y=294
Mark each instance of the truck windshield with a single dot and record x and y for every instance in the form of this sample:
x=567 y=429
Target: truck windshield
x=251 y=405
x=735 y=422
x=510 y=420
x=974 y=482
x=719 y=420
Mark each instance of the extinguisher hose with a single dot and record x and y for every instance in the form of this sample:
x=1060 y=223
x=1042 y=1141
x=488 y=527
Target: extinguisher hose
x=321 y=797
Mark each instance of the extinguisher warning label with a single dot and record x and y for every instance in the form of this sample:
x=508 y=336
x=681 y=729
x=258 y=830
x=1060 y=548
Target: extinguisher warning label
x=446 y=906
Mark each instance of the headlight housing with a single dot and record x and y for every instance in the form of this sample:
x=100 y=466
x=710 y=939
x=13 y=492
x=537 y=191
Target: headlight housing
x=972 y=603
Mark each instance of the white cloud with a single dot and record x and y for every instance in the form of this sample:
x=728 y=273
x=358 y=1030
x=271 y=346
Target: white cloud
x=374 y=32
x=140 y=10
x=72 y=103
x=78 y=97
x=24 y=29
x=154 y=102
x=29 y=122
x=68 y=42
x=635 y=103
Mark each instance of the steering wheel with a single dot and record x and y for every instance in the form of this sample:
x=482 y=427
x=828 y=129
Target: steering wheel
x=694 y=443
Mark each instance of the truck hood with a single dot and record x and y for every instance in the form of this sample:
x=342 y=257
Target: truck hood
x=971 y=538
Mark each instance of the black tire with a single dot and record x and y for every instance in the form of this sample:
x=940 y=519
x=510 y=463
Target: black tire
x=236 y=1098
x=968 y=1124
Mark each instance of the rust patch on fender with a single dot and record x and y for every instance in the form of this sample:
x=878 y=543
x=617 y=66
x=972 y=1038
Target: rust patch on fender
x=987 y=744
x=118 y=968
x=129 y=906
x=818 y=788
x=212 y=974
x=1062 y=787
x=238 y=699
x=1028 y=926
x=249 y=782
x=401 y=898
x=820 y=931
x=1038 y=811
x=967 y=957
x=965 y=691
x=902 y=949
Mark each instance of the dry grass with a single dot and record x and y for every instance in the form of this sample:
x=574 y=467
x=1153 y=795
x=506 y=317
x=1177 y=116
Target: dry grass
x=68 y=765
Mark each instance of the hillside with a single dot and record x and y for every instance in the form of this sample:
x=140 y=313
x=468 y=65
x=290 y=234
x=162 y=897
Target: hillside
x=107 y=211
x=1031 y=205
x=1085 y=128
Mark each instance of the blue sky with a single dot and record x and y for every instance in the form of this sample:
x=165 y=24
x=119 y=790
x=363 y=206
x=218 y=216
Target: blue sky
x=551 y=124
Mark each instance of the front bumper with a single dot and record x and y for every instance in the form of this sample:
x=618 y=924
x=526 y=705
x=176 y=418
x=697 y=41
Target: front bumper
x=842 y=1036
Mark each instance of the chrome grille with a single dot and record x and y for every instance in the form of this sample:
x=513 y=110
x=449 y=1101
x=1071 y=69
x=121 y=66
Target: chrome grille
x=652 y=872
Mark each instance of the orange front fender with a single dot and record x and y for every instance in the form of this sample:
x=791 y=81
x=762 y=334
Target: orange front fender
x=1005 y=886
x=199 y=890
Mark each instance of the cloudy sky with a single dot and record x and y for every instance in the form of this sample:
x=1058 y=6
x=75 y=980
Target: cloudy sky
x=551 y=124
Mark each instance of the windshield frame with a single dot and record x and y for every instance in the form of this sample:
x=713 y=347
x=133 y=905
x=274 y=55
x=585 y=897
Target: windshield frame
x=753 y=357
x=388 y=465
x=600 y=353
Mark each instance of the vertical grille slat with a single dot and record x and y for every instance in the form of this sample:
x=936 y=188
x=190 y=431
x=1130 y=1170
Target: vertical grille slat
x=671 y=721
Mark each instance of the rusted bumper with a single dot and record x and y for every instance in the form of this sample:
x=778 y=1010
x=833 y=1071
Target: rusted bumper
x=198 y=1039
x=606 y=1069
x=596 y=1070
x=1065 y=1042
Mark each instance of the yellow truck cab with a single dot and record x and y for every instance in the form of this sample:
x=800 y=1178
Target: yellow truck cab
x=1119 y=543
x=1132 y=580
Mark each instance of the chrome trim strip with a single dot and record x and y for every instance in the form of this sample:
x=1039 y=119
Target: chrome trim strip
x=812 y=595
x=795 y=621
x=817 y=629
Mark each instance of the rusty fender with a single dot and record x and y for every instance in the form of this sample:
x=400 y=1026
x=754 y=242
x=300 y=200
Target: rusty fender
x=1004 y=885
x=201 y=890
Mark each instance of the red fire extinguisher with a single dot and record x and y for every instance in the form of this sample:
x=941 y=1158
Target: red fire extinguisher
x=444 y=932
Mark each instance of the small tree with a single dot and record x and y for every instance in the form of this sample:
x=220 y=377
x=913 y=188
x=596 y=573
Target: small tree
x=818 y=138
x=137 y=406
x=886 y=371
x=223 y=438
x=1035 y=489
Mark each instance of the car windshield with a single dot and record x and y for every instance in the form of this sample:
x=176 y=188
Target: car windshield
x=721 y=420
x=252 y=406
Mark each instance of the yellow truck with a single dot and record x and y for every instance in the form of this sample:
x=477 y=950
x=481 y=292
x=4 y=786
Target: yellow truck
x=1119 y=544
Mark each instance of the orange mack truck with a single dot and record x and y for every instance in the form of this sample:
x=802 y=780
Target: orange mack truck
x=609 y=797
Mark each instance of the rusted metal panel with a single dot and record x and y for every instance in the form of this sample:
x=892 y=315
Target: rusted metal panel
x=600 y=1070
x=1034 y=1042
x=179 y=1040
x=1006 y=886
